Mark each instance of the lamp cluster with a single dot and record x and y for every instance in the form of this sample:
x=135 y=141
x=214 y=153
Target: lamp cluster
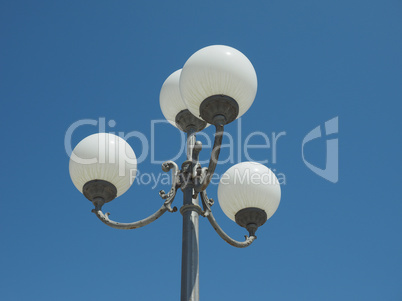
x=216 y=85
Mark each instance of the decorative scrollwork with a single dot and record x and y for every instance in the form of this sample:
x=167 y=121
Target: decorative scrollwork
x=169 y=197
x=206 y=203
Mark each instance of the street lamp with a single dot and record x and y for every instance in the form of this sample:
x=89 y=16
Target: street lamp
x=217 y=85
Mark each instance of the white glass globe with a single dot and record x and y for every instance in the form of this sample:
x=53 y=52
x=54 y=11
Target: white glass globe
x=248 y=184
x=105 y=157
x=170 y=99
x=217 y=70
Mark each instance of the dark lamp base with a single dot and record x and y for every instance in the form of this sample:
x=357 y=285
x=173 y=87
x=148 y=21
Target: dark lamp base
x=251 y=218
x=219 y=105
x=186 y=121
x=99 y=189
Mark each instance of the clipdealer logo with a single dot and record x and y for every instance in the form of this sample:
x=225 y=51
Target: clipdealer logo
x=331 y=170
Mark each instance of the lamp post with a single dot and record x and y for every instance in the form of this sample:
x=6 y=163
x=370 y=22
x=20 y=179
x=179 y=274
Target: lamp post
x=216 y=86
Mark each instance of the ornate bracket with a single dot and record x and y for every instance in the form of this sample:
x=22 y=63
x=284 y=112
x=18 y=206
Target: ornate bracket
x=168 y=197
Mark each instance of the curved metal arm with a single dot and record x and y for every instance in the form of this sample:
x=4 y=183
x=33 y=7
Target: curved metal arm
x=207 y=174
x=168 y=197
x=126 y=226
x=206 y=202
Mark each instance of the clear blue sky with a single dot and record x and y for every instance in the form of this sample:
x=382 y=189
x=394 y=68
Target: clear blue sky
x=63 y=61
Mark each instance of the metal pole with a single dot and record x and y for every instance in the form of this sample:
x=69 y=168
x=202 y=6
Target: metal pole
x=190 y=250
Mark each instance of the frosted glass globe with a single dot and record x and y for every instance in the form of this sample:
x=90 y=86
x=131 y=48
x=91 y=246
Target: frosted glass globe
x=248 y=184
x=215 y=70
x=170 y=99
x=105 y=157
